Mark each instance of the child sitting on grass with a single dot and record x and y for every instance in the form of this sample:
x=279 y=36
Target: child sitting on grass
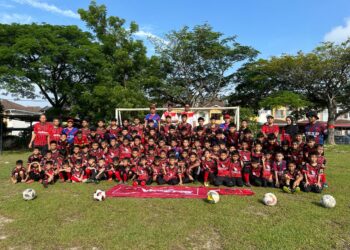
x=19 y=173
x=292 y=178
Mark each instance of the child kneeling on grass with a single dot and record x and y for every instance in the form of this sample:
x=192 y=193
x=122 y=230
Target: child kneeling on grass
x=292 y=178
x=312 y=175
x=78 y=173
x=19 y=173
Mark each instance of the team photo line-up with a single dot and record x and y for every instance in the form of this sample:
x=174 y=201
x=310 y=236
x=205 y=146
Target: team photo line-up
x=174 y=150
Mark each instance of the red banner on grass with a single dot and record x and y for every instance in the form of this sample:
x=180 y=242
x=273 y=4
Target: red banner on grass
x=171 y=191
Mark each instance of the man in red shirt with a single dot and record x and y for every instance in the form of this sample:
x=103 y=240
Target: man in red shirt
x=41 y=135
x=56 y=131
x=270 y=127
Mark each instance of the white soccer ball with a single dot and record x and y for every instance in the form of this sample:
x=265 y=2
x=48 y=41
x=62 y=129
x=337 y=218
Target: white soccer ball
x=270 y=199
x=213 y=197
x=328 y=201
x=99 y=195
x=29 y=194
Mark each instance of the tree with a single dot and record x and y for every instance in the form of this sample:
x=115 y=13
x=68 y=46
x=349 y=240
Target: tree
x=198 y=64
x=60 y=61
x=321 y=76
x=295 y=102
x=127 y=73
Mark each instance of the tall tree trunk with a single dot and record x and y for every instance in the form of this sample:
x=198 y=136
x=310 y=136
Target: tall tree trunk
x=332 y=109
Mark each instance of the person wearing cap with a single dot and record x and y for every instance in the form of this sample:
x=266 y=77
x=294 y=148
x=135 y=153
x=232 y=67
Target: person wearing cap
x=269 y=127
x=314 y=128
x=191 y=116
x=153 y=116
x=41 y=135
x=171 y=113
x=70 y=131
x=289 y=131
x=224 y=126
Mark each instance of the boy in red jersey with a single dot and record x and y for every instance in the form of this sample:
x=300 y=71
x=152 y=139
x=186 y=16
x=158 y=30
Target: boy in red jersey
x=209 y=167
x=236 y=169
x=312 y=178
x=279 y=166
x=35 y=156
x=292 y=178
x=112 y=130
x=35 y=172
x=101 y=130
x=193 y=167
x=267 y=173
x=171 y=173
x=142 y=173
x=77 y=173
x=19 y=173
x=269 y=127
x=321 y=160
x=125 y=149
x=56 y=130
x=50 y=173
x=256 y=172
x=223 y=176
x=80 y=140
x=64 y=172
x=245 y=157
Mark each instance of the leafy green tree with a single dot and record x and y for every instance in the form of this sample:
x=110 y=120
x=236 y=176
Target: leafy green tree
x=295 y=102
x=127 y=74
x=198 y=64
x=60 y=61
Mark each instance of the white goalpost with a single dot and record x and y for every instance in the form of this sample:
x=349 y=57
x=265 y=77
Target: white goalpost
x=205 y=112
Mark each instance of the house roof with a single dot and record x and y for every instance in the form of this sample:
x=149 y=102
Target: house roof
x=8 y=105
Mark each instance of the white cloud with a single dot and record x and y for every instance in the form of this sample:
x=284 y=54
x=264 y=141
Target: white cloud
x=49 y=8
x=339 y=34
x=15 y=18
x=149 y=35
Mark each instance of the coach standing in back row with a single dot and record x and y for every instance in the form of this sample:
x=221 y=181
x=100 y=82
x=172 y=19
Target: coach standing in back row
x=41 y=135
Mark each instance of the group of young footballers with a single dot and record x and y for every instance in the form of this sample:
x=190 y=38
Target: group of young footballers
x=167 y=151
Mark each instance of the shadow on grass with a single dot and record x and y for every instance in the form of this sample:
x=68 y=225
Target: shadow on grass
x=316 y=203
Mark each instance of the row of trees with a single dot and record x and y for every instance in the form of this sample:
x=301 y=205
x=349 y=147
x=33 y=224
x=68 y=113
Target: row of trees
x=93 y=72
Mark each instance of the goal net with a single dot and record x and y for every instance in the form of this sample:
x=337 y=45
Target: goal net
x=205 y=112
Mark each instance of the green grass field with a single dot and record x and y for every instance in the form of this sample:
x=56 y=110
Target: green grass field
x=65 y=216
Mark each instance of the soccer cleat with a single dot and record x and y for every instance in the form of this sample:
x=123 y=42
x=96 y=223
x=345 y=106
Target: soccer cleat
x=89 y=181
x=96 y=181
x=325 y=185
x=45 y=184
x=247 y=184
x=287 y=190
x=296 y=190
x=206 y=184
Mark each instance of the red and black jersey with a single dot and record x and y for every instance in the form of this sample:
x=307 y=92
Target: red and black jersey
x=321 y=160
x=296 y=156
x=78 y=172
x=312 y=173
x=42 y=132
x=55 y=154
x=257 y=155
x=142 y=173
x=83 y=141
x=101 y=131
x=85 y=131
x=112 y=132
x=236 y=169
x=271 y=147
x=232 y=138
x=55 y=133
x=139 y=128
x=209 y=165
x=113 y=152
x=256 y=171
x=18 y=170
x=245 y=155
x=74 y=157
x=34 y=157
x=134 y=161
x=267 y=169
x=124 y=151
x=94 y=138
x=279 y=167
x=171 y=172
x=223 y=167
x=292 y=175
x=164 y=129
x=63 y=147
x=97 y=153
x=185 y=126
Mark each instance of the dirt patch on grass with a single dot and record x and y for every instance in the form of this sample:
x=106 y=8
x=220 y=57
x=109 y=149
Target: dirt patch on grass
x=3 y=221
x=201 y=240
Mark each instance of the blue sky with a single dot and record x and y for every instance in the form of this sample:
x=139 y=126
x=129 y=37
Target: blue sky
x=272 y=26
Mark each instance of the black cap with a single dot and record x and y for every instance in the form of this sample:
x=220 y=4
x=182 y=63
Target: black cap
x=312 y=114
